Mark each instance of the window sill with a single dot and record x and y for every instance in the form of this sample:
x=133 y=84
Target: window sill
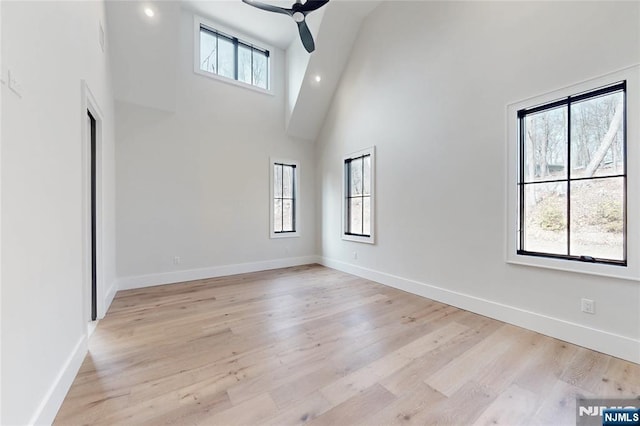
x=358 y=239
x=233 y=82
x=285 y=235
x=599 y=269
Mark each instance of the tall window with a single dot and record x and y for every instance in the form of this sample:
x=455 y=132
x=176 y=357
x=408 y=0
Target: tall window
x=226 y=56
x=572 y=177
x=358 y=196
x=284 y=198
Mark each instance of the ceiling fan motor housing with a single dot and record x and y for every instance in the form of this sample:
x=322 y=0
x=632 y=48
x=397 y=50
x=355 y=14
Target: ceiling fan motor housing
x=298 y=12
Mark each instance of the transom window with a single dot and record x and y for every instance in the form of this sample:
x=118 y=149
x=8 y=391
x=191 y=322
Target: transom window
x=572 y=177
x=358 y=196
x=224 y=55
x=284 y=198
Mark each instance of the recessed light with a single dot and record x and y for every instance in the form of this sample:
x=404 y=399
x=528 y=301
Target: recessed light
x=318 y=78
x=149 y=12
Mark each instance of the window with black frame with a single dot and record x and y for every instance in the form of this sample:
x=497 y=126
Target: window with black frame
x=229 y=57
x=358 y=195
x=572 y=177
x=284 y=198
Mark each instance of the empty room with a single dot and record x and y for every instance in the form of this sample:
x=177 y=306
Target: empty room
x=327 y=212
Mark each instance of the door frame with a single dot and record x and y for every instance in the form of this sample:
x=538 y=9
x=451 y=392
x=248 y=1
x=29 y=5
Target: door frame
x=89 y=104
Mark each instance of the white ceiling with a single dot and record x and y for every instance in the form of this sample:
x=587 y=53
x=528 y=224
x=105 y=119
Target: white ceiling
x=144 y=56
x=274 y=28
x=335 y=37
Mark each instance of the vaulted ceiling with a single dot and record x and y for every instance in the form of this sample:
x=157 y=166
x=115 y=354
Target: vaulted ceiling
x=144 y=55
x=277 y=30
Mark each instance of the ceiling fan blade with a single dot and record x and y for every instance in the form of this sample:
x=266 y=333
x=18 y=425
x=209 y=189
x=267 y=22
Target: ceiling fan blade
x=306 y=37
x=312 y=5
x=268 y=7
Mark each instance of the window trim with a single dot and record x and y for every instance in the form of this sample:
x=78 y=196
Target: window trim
x=632 y=269
x=296 y=196
x=199 y=21
x=568 y=101
x=371 y=151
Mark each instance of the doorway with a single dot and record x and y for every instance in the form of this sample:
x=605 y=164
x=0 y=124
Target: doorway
x=93 y=220
x=93 y=288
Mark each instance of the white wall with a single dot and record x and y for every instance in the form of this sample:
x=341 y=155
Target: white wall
x=194 y=183
x=2 y=78
x=143 y=52
x=428 y=84
x=297 y=60
x=50 y=47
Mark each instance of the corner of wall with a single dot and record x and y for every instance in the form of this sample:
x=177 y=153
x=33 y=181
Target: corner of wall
x=109 y=296
x=52 y=401
x=150 y=280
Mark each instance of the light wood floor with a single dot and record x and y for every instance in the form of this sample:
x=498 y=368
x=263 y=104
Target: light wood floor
x=314 y=345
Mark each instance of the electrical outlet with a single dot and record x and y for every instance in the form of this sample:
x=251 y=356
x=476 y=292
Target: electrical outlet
x=177 y=260
x=355 y=255
x=588 y=306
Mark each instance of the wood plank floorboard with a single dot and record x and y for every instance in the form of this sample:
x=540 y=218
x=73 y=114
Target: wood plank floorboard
x=311 y=345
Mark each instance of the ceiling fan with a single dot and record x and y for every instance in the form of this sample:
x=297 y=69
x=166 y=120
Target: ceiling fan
x=298 y=12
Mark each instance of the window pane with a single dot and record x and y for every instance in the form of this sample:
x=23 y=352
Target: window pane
x=355 y=215
x=355 y=177
x=287 y=178
x=244 y=63
x=545 y=218
x=226 y=57
x=287 y=213
x=277 y=215
x=597 y=218
x=597 y=145
x=366 y=176
x=207 y=51
x=277 y=181
x=366 y=223
x=260 y=69
x=545 y=145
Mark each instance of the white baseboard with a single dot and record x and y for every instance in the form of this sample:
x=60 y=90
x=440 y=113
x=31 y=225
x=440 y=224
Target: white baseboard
x=140 y=281
x=111 y=293
x=48 y=408
x=601 y=341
